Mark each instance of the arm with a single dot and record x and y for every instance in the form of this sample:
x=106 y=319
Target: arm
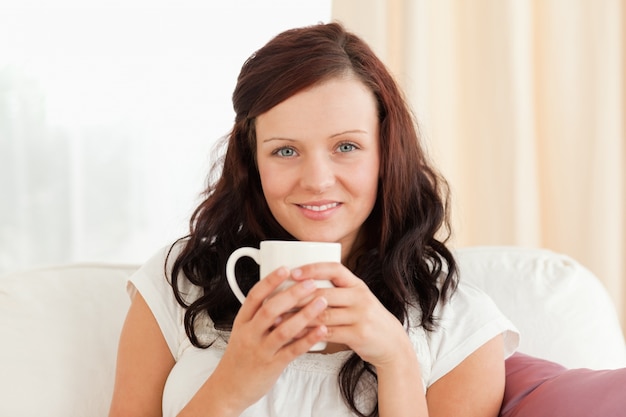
x=143 y=364
x=400 y=391
x=474 y=388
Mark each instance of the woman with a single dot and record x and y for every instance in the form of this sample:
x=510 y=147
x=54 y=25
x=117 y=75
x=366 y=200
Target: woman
x=323 y=148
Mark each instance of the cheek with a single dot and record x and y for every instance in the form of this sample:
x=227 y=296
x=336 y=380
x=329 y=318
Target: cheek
x=372 y=190
x=368 y=177
x=272 y=183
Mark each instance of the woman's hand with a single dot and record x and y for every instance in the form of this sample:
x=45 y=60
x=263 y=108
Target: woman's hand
x=266 y=337
x=355 y=317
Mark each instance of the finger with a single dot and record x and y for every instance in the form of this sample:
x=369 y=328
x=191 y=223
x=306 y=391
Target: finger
x=301 y=345
x=343 y=297
x=292 y=328
x=261 y=291
x=310 y=337
x=333 y=317
x=337 y=274
x=285 y=301
x=342 y=334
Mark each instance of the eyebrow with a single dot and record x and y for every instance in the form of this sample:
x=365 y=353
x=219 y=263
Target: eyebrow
x=360 y=131
x=349 y=131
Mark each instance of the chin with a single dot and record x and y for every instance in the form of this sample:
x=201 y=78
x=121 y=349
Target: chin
x=319 y=237
x=316 y=239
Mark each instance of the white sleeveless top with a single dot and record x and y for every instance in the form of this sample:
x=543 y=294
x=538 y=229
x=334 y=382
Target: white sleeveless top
x=308 y=386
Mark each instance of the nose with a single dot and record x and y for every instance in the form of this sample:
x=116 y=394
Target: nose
x=317 y=174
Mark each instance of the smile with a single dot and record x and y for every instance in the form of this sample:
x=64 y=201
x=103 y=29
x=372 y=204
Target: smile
x=323 y=207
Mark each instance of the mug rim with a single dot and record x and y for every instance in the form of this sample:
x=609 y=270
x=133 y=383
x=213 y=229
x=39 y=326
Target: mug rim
x=298 y=242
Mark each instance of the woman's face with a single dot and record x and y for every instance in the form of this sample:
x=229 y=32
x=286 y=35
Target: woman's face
x=318 y=159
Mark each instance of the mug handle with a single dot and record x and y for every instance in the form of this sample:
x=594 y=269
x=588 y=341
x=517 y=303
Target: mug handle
x=230 y=268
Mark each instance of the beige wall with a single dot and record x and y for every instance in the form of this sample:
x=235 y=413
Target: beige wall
x=522 y=104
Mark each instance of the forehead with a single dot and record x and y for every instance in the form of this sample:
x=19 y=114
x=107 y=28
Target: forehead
x=338 y=104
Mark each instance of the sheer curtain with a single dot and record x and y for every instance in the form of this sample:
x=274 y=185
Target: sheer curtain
x=109 y=116
x=523 y=106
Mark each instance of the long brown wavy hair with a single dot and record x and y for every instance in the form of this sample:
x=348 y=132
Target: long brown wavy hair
x=399 y=256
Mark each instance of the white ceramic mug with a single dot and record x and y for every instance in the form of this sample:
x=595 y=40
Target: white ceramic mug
x=273 y=254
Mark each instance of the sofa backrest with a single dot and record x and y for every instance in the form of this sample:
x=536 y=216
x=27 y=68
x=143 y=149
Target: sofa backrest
x=563 y=312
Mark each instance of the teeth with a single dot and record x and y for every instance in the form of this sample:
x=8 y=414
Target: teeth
x=322 y=207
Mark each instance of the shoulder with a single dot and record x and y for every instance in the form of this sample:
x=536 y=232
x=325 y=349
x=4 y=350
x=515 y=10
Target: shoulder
x=153 y=280
x=468 y=310
x=466 y=322
x=156 y=273
x=467 y=299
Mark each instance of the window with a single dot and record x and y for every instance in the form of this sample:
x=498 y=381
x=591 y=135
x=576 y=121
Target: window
x=109 y=113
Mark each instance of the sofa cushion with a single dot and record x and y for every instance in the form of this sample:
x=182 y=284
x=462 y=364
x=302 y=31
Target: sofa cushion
x=539 y=388
x=60 y=327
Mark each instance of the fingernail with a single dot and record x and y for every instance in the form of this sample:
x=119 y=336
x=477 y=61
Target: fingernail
x=320 y=303
x=296 y=273
x=308 y=284
x=282 y=271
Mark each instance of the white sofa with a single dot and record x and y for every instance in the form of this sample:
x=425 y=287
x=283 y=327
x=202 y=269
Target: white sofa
x=59 y=326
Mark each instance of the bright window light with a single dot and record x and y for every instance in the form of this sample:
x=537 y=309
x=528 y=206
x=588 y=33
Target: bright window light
x=109 y=112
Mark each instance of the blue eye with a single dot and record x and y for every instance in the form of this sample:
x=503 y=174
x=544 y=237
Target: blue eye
x=285 y=152
x=346 y=147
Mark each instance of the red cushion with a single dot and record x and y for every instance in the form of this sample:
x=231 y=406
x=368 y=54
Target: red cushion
x=540 y=388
